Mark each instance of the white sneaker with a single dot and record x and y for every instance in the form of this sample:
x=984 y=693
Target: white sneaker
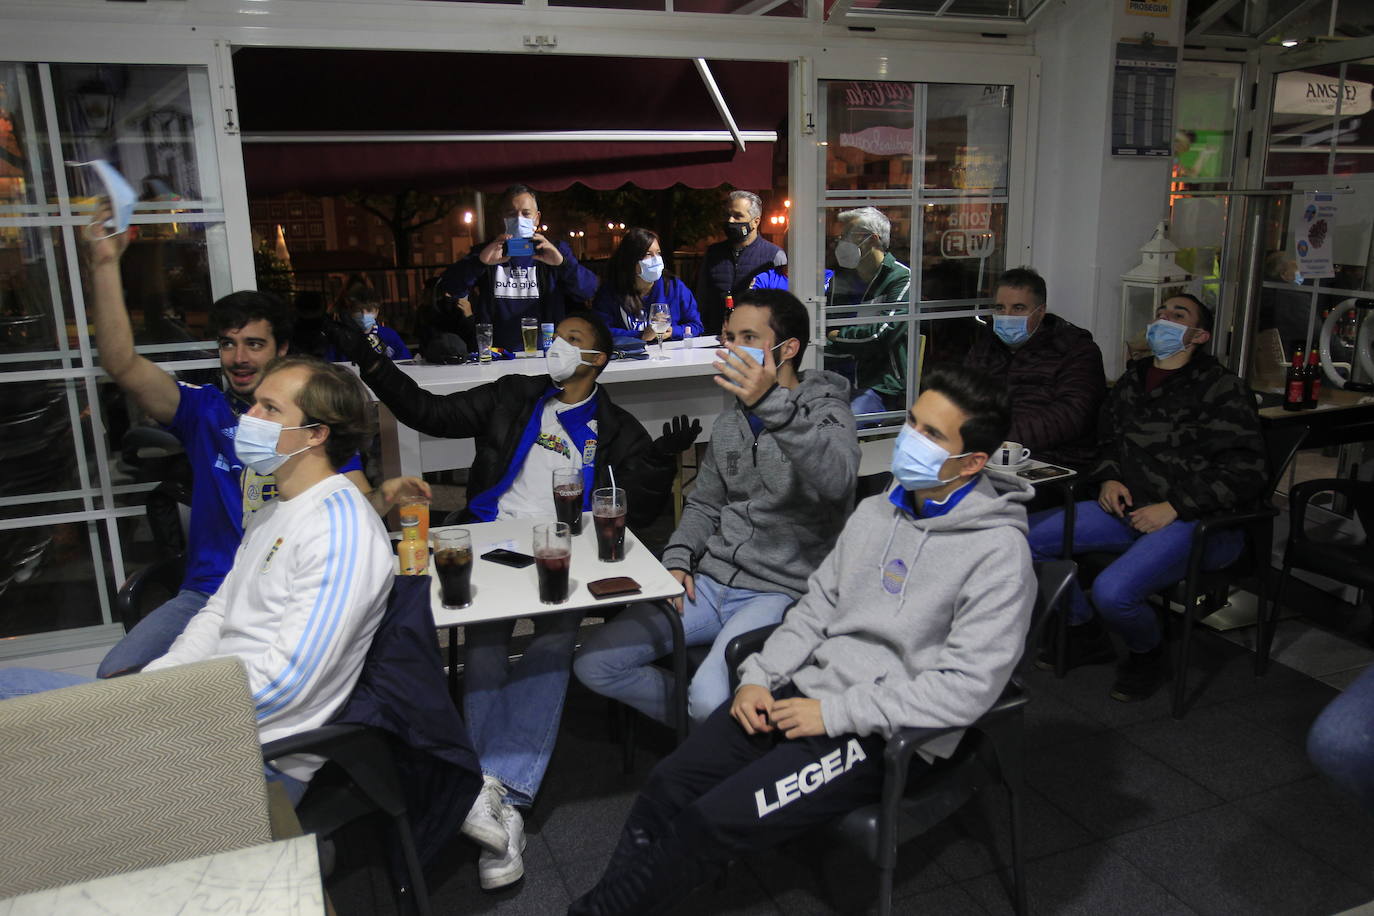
x=483 y=825
x=498 y=870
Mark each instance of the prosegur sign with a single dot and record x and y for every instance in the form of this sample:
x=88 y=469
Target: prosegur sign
x=1298 y=92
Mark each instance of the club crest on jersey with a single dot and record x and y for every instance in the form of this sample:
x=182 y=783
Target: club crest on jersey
x=270 y=554
x=589 y=452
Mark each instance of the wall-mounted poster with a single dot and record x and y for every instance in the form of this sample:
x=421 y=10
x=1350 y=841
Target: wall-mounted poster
x=1143 y=99
x=1313 y=225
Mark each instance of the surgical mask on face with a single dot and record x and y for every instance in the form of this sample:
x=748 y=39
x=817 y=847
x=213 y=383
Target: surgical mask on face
x=651 y=268
x=757 y=352
x=736 y=232
x=522 y=227
x=1165 y=338
x=916 y=461
x=366 y=320
x=563 y=359
x=121 y=194
x=1011 y=329
x=847 y=254
x=256 y=443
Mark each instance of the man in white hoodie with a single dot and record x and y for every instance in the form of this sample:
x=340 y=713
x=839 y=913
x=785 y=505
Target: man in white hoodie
x=915 y=619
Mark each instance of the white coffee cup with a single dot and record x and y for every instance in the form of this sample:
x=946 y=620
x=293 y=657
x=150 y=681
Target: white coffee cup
x=1009 y=455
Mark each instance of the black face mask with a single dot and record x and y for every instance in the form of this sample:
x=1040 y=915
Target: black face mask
x=736 y=232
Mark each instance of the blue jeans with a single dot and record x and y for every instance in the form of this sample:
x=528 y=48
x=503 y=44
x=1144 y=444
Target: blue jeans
x=1341 y=742
x=152 y=636
x=513 y=710
x=616 y=660
x=1148 y=563
x=18 y=682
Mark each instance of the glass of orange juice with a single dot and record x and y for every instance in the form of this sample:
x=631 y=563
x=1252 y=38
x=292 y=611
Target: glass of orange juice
x=417 y=507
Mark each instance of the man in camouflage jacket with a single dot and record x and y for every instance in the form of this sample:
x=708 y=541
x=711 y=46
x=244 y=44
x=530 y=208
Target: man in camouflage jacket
x=1179 y=440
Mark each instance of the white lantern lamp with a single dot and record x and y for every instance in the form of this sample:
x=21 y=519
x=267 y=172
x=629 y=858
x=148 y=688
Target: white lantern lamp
x=1145 y=287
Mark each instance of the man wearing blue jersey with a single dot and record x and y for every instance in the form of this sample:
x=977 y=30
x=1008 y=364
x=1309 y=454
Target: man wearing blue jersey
x=252 y=328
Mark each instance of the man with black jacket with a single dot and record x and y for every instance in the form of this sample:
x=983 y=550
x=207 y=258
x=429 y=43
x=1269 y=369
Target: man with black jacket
x=1179 y=439
x=523 y=427
x=1053 y=371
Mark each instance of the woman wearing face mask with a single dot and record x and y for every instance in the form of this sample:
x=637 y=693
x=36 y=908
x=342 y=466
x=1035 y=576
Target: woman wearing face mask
x=635 y=282
x=361 y=308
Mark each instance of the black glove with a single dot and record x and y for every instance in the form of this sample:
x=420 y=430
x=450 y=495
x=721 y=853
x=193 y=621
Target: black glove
x=349 y=340
x=678 y=435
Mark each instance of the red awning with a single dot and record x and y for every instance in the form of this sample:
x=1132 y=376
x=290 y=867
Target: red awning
x=302 y=91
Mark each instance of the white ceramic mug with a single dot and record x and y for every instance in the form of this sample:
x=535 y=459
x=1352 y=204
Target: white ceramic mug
x=1009 y=455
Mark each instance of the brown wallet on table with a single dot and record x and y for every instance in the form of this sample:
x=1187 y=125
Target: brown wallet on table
x=610 y=588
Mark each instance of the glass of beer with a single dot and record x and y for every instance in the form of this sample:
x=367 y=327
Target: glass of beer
x=453 y=563
x=484 y=338
x=552 y=557
x=529 y=333
x=416 y=507
x=608 y=514
x=567 y=497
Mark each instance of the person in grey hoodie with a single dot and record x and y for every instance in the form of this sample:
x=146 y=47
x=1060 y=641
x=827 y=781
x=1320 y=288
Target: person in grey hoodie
x=774 y=489
x=915 y=619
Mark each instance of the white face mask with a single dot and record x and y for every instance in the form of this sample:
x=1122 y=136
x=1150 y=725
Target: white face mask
x=651 y=268
x=563 y=359
x=522 y=227
x=847 y=254
x=255 y=443
x=121 y=194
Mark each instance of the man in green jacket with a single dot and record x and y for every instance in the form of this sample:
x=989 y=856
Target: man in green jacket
x=868 y=275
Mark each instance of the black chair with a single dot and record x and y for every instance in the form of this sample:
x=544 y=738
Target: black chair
x=1197 y=590
x=360 y=778
x=1352 y=564
x=991 y=752
x=148 y=588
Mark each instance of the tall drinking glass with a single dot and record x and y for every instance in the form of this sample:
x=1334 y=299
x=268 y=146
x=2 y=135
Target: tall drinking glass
x=567 y=497
x=608 y=514
x=529 y=333
x=484 y=338
x=453 y=565
x=552 y=557
x=661 y=321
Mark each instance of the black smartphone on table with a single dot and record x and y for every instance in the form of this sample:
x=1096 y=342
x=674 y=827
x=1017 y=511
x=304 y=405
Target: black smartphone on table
x=510 y=558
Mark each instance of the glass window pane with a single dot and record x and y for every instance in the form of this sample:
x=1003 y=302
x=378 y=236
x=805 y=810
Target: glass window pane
x=1301 y=130
x=36 y=450
x=1205 y=135
x=24 y=169
x=48 y=578
x=139 y=118
x=968 y=136
x=870 y=135
x=964 y=249
x=35 y=314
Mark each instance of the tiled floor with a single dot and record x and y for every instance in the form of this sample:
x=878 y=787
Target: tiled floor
x=1129 y=812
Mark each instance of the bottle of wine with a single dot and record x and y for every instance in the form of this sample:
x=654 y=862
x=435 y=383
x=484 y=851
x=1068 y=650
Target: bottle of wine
x=1312 y=383
x=1294 y=384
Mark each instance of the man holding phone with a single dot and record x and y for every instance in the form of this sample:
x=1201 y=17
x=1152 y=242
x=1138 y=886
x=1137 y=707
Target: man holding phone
x=524 y=427
x=519 y=274
x=772 y=494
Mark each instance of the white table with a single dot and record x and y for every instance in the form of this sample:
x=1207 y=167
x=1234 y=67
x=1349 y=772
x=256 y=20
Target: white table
x=274 y=879
x=504 y=593
x=653 y=391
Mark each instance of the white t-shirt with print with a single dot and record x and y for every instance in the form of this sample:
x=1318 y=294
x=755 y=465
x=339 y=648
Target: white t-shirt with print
x=531 y=493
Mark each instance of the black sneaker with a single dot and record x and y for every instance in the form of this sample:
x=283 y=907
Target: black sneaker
x=1139 y=675
x=1089 y=644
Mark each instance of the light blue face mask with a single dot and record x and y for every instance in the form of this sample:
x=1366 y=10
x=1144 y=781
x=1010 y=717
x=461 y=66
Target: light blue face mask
x=756 y=352
x=522 y=227
x=1011 y=329
x=121 y=194
x=651 y=268
x=1165 y=338
x=255 y=442
x=367 y=321
x=916 y=461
